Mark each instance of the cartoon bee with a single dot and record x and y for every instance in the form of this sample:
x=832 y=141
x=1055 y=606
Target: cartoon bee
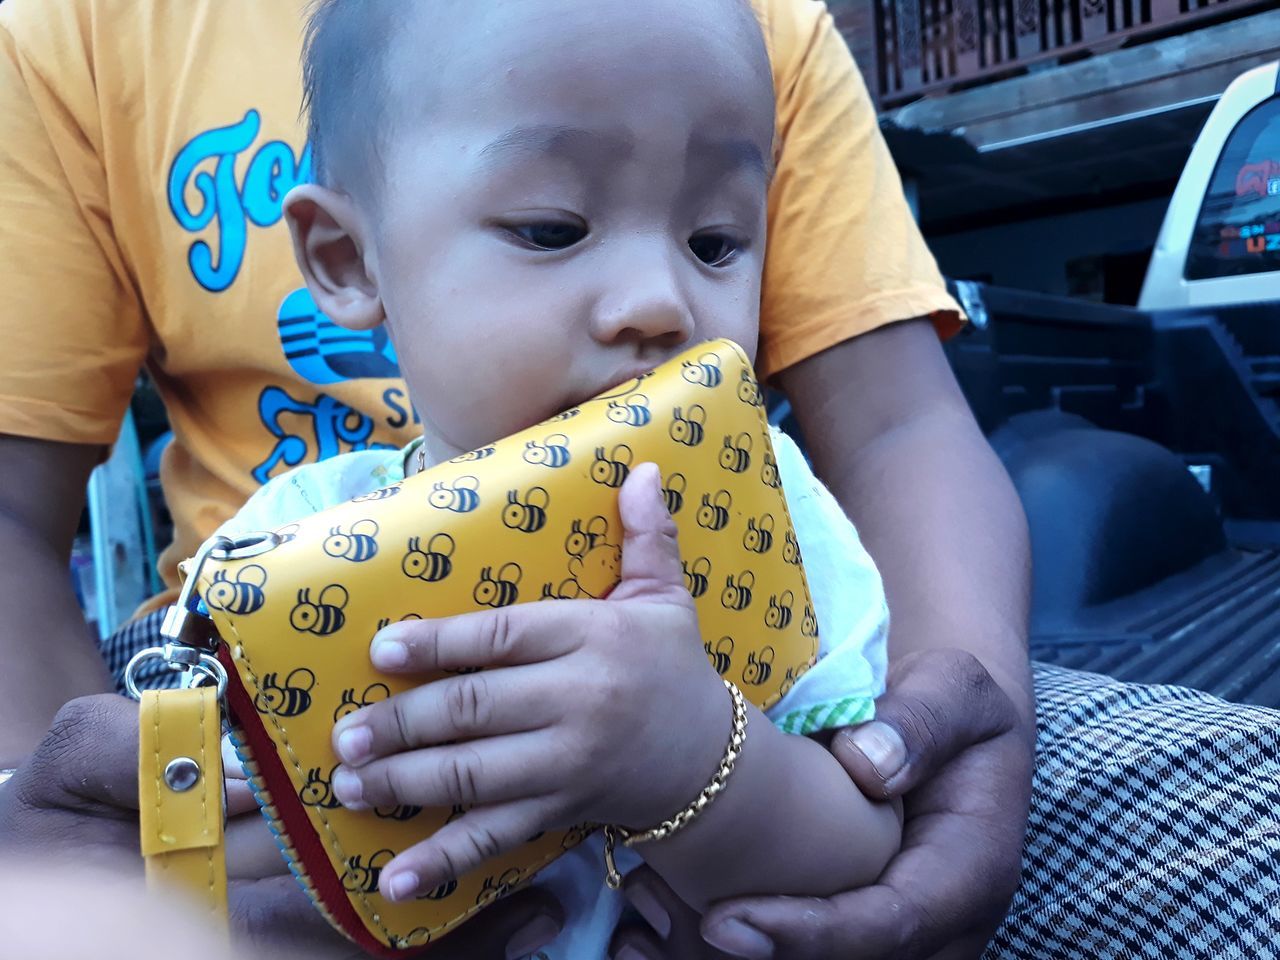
x=382 y=494
x=322 y=617
x=612 y=471
x=721 y=655
x=363 y=878
x=317 y=791
x=735 y=455
x=697 y=576
x=291 y=699
x=759 y=535
x=243 y=595
x=350 y=703
x=594 y=564
x=788 y=681
x=673 y=492
x=809 y=622
x=566 y=415
x=566 y=590
x=528 y=515
x=705 y=372
x=736 y=595
x=287 y=533
x=400 y=812
x=551 y=452
x=758 y=668
x=445 y=889
x=432 y=564
x=575 y=835
x=457 y=811
x=634 y=411
x=475 y=455
x=495 y=889
x=714 y=512
x=778 y=616
x=688 y=430
x=461 y=496
x=500 y=591
x=769 y=472
x=749 y=391
x=791 y=548
x=417 y=937
x=357 y=545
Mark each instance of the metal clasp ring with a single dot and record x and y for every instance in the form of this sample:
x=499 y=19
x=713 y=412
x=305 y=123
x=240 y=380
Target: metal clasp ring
x=204 y=667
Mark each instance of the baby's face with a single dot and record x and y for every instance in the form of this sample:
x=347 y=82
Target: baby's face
x=579 y=197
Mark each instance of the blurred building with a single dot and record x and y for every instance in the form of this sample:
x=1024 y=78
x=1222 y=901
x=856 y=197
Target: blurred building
x=1041 y=139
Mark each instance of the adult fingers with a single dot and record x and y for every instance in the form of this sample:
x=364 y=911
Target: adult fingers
x=461 y=846
x=939 y=704
x=650 y=553
x=482 y=771
x=670 y=927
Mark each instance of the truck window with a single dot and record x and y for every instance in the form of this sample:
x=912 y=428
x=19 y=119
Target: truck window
x=1238 y=230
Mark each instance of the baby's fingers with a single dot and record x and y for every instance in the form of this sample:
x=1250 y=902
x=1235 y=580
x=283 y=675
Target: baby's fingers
x=463 y=845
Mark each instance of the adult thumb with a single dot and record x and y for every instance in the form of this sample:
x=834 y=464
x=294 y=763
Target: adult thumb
x=650 y=553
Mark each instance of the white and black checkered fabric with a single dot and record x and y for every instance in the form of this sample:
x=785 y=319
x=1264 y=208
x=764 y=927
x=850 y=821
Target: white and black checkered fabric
x=1155 y=820
x=1154 y=829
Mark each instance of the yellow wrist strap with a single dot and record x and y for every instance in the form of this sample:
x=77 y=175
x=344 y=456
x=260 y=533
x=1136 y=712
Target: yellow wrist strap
x=180 y=796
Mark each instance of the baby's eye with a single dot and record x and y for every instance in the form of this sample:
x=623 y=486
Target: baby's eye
x=550 y=235
x=714 y=249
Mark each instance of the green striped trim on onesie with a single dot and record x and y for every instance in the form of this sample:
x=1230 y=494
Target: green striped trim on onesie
x=827 y=716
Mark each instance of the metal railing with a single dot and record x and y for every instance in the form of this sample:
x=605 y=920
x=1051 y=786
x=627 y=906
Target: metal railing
x=921 y=46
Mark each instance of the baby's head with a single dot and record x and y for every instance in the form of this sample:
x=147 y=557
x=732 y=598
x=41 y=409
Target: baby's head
x=540 y=198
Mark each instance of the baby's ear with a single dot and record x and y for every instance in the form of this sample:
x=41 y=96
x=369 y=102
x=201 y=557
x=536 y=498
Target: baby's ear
x=329 y=247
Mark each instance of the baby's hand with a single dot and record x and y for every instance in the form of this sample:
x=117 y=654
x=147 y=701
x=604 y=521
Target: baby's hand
x=593 y=710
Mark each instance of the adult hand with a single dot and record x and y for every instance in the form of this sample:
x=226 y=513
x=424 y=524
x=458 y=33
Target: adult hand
x=948 y=741
x=75 y=799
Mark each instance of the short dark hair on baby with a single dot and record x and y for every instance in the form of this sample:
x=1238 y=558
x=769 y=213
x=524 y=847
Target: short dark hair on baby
x=344 y=78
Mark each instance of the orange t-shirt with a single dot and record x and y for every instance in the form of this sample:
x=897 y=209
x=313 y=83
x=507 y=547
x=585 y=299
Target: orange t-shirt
x=145 y=149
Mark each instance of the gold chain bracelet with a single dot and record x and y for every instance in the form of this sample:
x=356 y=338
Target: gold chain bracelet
x=612 y=834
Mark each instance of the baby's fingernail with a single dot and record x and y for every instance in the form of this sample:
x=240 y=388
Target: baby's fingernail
x=881 y=745
x=736 y=938
x=532 y=937
x=388 y=654
x=402 y=885
x=348 y=789
x=355 y=745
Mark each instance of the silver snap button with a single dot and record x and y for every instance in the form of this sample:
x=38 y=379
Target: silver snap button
x=182 y=774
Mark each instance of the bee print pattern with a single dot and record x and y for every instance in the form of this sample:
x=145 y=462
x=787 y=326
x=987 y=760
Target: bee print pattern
x=318 y=791
x=791 y=549
x=566 y=590
x=500 y=591
x=496 y=888
x=759 y=535
x=362 y=876
x=721 y=655
x=323 y=616
x=567 y=415
x=749 y=391
x=243 y=595
x=705 y=372
x=788 y=681
x=417 y=937
x=612 y=470
x=778 y=616
x=735 y=455
x=446 y=889
x=474 y=455
x=528 y=515
x=400 y=812
x=769 y=472
x=575 y=835
x=736 y=594
x=809 y=623
x=632 y=412
x=461 y=496
x=350 y=703
x=432 y=564
x=690 y=428
x=673 y=492
x=287 y=533
x=551 y=452
x=697 y=576
x=714 y=512
x=759 y=667
x=382 y=494
x=290 y=700
x=357 y=544
x=594 y=564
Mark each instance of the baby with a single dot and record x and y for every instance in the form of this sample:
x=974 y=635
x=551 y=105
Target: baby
x=541 y=201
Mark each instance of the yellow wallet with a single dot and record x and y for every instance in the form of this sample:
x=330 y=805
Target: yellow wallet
x=529 y=518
